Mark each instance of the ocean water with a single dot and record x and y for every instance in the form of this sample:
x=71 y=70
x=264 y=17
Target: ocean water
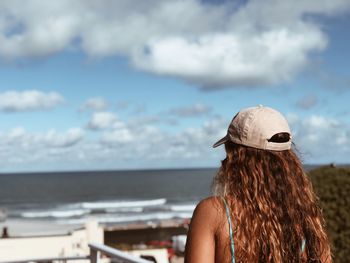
x=109 y=196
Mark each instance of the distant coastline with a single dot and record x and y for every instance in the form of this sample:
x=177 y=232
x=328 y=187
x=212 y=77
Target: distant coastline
x=307 y=167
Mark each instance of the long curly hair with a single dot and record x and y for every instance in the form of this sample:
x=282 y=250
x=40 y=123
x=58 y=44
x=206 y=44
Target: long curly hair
x=278 y=208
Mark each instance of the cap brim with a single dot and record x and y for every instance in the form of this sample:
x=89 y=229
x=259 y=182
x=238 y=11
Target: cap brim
x=221 y=141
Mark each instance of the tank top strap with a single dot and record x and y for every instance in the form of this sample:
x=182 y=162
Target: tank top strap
x=228 y=215
x=303 y=246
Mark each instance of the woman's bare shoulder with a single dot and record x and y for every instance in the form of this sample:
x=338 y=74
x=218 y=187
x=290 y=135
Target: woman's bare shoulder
x=209 y=202
x=200 y=244
x=209 y=211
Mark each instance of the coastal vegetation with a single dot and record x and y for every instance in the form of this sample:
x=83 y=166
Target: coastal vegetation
x=332 y=185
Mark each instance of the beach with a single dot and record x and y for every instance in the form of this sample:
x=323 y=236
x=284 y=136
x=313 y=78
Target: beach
x=134 y=209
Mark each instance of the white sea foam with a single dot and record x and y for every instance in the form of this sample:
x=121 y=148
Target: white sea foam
x=187 y=207
x=121 y=204
x=124 y=210
x=133 y=218
x=117 y=211
x=55 y=213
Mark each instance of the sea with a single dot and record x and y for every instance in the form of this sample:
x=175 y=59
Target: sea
x=109 y=197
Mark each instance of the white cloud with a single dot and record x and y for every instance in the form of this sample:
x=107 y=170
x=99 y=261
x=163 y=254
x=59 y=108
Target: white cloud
x=118 y=146
x=19 y=138
x=21 y=150
x=228 y=59
x=102 y=120
x=70 y=138
x=98 y=104
x=250 y=44
x=16 y=133
x=197 y=109
x=319 y=138
x=149 y=142
x=122 y=135
x=28 y=100
x=126 y=145
x=322 y=138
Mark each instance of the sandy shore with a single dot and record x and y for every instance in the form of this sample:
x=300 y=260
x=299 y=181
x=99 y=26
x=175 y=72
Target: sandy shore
x=131 y=233
x=20 y=227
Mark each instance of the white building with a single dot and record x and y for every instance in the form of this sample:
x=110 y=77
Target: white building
x=71 y=244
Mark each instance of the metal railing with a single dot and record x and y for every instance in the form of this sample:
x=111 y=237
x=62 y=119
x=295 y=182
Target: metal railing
x=96 y=251
x=117 y=255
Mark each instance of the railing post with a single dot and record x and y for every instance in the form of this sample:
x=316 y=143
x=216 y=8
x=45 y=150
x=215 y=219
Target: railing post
x=94 y=255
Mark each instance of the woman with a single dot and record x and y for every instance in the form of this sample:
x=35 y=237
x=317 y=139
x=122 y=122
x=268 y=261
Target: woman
x=264 y=208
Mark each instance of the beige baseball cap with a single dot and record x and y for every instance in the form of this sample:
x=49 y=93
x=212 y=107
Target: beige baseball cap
x=254 y=127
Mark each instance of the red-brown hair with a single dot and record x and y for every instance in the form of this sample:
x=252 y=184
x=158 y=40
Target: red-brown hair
x=278 y=206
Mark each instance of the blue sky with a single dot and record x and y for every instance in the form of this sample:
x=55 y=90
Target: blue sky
x=129 y=85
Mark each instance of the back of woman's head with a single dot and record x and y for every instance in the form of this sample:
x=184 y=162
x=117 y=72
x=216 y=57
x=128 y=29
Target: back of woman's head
x=278 y=208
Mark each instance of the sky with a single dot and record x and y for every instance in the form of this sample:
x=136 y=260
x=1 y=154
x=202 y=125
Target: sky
x=127 y=84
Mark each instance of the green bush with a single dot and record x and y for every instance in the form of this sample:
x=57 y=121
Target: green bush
x=332 y=185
